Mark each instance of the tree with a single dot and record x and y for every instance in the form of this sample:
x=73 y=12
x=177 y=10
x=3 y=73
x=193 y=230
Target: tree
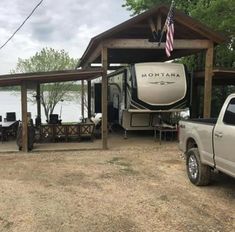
x=49 y=59
x=219 y=15
x=138 y=6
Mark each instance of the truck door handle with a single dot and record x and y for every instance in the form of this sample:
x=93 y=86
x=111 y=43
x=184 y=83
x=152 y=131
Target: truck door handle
x=218 y=134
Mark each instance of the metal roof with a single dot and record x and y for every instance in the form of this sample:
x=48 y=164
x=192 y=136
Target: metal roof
x=138 y=27
x=50 y=77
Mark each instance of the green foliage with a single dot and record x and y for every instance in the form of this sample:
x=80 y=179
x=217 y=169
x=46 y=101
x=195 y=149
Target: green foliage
x=47 y=87
x=138 y=6
x=10 y=88
x=219 y=15
x=46 y=60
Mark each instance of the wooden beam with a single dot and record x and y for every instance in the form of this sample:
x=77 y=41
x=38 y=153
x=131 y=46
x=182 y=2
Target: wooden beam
x=50 y=77
x=208 y=81
x=159 y=22
x=89 y=98
x=105 y=98
x=82 y=100
x=38 y=99
x=24 y=117
x=152 y=25
x=93 y=56
x=145 y=44
x=195 y=101
x=112 y=67
x=155 y=28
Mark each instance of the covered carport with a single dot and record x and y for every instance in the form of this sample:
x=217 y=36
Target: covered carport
x=33 y=81
x=133 y=42
x=221 y=77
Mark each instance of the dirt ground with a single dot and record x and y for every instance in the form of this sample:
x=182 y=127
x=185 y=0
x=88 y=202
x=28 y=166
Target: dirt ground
x=127 y=188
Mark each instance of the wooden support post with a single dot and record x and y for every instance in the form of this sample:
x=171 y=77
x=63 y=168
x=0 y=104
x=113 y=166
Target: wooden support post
x=152 y=25
x=208 y=81
x=195 y=101
x=38 y=99
x=24 y=117
x=153 y=29
x=104 y=98
x=159 y=22
x=82 y=100
x=89 y=98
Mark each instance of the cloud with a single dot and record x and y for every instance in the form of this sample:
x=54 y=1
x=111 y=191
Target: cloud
x=59 y=24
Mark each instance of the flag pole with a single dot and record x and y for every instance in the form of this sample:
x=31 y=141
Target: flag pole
x=162 y=32
x=164 y=27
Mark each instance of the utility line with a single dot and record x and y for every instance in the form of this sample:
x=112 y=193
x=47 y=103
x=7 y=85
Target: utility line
x=21 y=24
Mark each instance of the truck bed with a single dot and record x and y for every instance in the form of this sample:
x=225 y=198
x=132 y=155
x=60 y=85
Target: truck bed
x=201 y=131
x=211 y=121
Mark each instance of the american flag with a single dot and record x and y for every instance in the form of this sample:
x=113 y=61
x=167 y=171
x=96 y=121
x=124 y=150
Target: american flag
x=170 y=31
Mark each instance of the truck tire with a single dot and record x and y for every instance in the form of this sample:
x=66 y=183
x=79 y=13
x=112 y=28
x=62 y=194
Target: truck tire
x=198 y=173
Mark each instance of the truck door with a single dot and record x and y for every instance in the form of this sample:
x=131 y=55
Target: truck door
x=224 y=139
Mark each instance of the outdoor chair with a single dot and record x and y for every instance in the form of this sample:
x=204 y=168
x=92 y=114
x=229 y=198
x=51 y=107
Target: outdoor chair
x=10 y=116
x=163 y=128
x=1 y=133
x=54 y=119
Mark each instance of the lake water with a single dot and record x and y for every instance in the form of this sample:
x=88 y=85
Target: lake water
x=11 y=102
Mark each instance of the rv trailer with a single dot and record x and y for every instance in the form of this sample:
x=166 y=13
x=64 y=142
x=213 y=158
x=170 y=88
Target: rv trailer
x=140 y=94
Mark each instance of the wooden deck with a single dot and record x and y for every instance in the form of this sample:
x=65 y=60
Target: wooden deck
x=8 y=147
x=11 y=147
x=116 y=140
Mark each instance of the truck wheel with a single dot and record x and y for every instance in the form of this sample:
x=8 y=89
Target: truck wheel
x=198 y=173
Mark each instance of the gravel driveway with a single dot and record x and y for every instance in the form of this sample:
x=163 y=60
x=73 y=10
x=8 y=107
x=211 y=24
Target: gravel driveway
x=127 y=188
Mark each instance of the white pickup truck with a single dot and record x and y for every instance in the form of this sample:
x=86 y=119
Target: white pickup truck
x=209 y=144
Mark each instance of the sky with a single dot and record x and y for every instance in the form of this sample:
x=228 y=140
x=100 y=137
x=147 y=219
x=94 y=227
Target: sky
x=59 y=24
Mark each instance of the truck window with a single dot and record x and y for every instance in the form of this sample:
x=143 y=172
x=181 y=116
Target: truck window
x=229 y=116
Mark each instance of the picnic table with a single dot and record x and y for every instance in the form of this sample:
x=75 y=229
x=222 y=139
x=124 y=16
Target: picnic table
x=161 y=129
x=8 y=129
x=8 y=124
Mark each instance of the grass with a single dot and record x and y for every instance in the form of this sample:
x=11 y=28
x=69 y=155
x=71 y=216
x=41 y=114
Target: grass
x=124 y=166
